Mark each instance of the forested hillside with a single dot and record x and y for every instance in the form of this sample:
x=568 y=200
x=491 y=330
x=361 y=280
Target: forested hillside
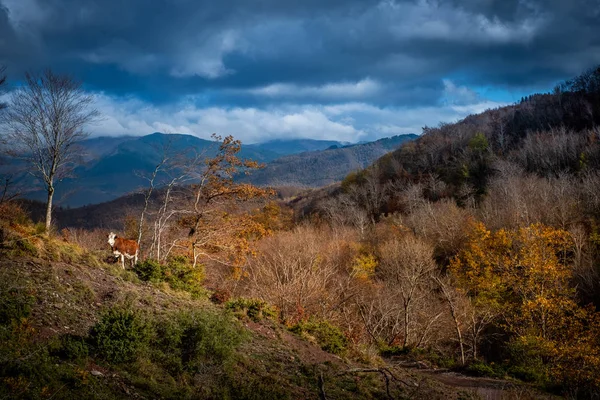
x=320 y=168
x=507 y=203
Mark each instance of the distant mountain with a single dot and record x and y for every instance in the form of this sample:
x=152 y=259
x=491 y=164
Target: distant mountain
x=115 y=166
x=294 y=146
x=100 y=146
x=320 y=168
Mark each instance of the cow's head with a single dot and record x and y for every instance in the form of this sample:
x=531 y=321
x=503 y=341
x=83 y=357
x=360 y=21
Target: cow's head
x=111 y=238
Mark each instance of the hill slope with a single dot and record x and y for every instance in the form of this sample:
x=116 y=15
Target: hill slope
x=547 y=135
x=320 y=168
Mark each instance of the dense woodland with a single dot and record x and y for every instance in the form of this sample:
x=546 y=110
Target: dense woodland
x=475 y=247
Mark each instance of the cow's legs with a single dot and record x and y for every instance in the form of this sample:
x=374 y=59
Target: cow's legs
x=123 y=261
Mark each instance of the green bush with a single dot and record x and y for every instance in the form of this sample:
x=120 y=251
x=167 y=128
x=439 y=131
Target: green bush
x=72 y=347
x=527 y=374
x=120 y=335
x=39 y=228
x=386 y=350
x=527 y=360
x=480 y=368
x=14 y=305
x=329 y=337
x=24 y=247
x=188 y=341
x=254 y=309
x=181 y=275
x=150 y=271
x=178 y=273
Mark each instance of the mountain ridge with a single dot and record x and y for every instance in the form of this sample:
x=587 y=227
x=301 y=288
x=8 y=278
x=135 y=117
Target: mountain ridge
x=116 y=166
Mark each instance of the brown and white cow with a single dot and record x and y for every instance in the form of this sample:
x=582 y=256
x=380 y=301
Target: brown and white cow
x=122 y=248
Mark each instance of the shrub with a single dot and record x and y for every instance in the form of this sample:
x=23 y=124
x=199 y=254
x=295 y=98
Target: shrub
x=39 y=228
x=181 y=275
x=24 y=247
x=220 y=296
x=386 y=350
x=190 y=340
x=527 y=359
x=178 y=273
x=254 y=309
x=72 y=347
x=14 y=213
x=150 y=271
x=328 y=336
x=120 y=335
x=479 y=368
x=15 y=305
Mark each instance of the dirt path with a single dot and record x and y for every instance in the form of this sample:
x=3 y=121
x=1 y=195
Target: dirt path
x=487 y=388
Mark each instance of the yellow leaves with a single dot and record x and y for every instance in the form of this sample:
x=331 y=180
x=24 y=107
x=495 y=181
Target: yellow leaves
x=363 y=266
x=273 y=217
x=524 y=272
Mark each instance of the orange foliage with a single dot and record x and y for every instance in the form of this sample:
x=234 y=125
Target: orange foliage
x=526 y=274
x=216 y=229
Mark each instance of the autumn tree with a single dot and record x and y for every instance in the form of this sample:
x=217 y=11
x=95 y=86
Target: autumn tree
x=525 y=275
x=45 y=119
x=215 y=228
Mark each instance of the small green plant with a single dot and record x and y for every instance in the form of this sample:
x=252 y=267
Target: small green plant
x=254 y=309
x=73 y=347
x=120 y=335
x=15 y=305
x=387 y=350
x=39 y=228
x=328 y=336
x=23 y=247
x=480 y=368
x=150 y=271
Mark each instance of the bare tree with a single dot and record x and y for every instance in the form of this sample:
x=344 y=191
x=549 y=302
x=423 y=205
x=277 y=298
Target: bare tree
x=406 y=268
x=44 y=122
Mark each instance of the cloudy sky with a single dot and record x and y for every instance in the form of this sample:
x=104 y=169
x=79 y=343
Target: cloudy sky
x=261 y=69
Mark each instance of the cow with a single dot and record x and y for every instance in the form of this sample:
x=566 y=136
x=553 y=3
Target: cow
x=122 y=248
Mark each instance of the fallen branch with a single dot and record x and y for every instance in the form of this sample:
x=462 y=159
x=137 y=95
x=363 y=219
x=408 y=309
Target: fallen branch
x=322 y=394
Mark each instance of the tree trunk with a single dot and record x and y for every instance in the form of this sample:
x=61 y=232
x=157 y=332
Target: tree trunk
x=49 y=208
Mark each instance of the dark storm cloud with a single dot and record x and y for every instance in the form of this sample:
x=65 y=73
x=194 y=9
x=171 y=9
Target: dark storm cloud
x=237 y=51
